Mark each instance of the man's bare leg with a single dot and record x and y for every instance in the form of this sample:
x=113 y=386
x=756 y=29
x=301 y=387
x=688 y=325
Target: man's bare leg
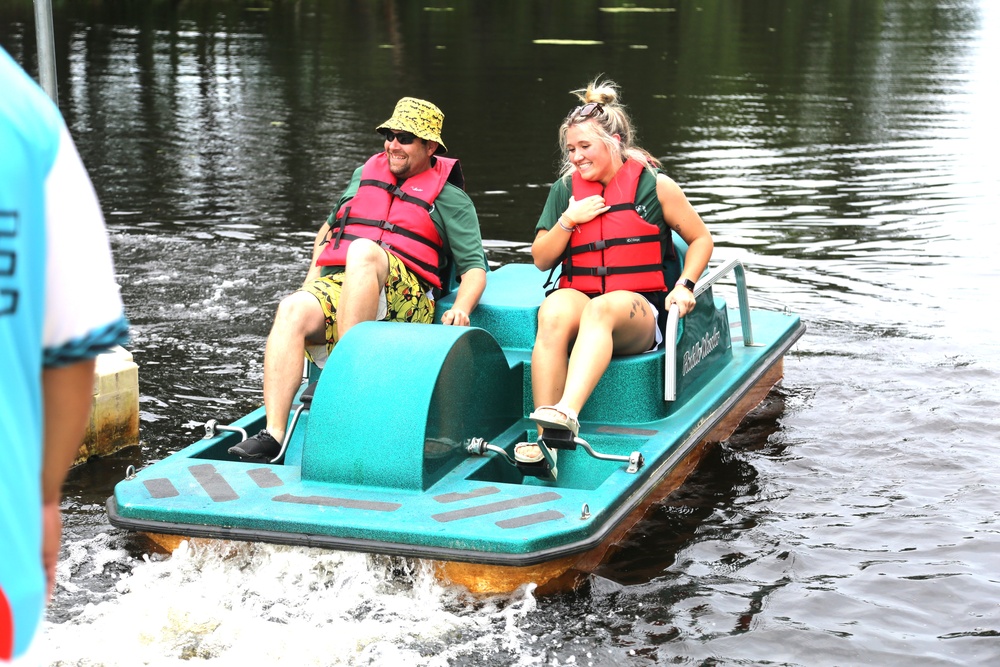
x=365 y=273
x=299 y=319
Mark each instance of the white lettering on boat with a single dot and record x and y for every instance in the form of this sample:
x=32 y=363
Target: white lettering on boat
x=700 y=350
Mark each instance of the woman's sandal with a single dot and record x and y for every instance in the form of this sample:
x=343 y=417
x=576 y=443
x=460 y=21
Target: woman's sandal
x=556 y=417
x=535 y=457
x=524 y=454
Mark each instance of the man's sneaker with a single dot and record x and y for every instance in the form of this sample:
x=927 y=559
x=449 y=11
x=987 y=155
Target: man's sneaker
x=261 y=447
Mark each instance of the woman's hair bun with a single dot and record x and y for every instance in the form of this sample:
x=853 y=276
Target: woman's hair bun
x=601 y=91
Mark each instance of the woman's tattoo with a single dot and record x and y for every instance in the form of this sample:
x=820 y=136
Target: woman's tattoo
x=638 y=306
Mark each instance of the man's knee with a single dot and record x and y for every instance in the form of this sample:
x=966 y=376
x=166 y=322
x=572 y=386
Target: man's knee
x=298 y=311
x=367 y=256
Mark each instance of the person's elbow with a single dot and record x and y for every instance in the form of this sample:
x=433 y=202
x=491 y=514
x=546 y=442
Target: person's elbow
x=541 y=260
x=709 y=244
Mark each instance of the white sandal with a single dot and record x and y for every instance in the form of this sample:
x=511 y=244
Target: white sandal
x=565 y=421
x=521 y=457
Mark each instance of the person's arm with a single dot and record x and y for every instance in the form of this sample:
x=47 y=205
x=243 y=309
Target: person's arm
x=683 y=219
x=458 y=223
x=558 y=222
x=470 y=289
x=318 y=244
x=323 y=235
x=67 y=393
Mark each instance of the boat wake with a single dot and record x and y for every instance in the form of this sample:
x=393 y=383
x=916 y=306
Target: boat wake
x=223 y=603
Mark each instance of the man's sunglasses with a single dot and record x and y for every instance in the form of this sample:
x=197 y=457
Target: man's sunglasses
x=405 y=138
x=586 y=111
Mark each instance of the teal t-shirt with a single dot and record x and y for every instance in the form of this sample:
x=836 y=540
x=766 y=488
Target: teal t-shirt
x=455 y=218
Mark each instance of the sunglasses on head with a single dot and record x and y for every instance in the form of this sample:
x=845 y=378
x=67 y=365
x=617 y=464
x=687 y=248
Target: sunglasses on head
x=405 y=138
x=588 y=110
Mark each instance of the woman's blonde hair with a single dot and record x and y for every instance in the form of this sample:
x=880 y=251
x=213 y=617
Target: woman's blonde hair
x=609 y=118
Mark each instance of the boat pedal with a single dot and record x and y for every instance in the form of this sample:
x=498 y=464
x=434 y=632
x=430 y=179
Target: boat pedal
x=558 y=439
x=540 y=469
x=306 y=397
x=213 y=428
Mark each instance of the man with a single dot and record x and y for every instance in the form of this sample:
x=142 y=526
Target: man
x=379 y=256
x=59 y=308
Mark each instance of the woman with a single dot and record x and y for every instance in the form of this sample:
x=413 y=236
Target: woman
x=607 y=221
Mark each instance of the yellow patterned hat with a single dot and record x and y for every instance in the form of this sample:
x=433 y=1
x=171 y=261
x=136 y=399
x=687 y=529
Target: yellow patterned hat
x=419 y=117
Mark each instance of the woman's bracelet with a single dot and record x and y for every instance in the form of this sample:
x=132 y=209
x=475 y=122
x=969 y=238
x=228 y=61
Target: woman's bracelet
x=564 y=227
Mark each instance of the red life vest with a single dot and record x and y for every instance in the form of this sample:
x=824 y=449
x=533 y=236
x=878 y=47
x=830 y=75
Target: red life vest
x=397 y=218
x=617 y=250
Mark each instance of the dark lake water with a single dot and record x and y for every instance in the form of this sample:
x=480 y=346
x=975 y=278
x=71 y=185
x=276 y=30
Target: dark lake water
x=844 y=150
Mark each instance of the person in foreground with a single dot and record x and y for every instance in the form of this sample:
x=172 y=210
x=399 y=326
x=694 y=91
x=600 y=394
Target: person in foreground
x=608 y=222
x=379 y=256
x=59 y=309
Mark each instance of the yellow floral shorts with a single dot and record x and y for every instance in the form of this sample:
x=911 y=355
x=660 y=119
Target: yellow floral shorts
x=403 y=299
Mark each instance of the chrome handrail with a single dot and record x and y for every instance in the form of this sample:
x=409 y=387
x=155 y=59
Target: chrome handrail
x=734 y=266
x=46 y=49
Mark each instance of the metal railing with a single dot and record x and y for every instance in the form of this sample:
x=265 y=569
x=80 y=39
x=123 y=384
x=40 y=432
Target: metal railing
x=733 y=266
x=46 y=49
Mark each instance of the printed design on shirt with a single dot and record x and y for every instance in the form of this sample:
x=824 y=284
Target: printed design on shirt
x=8 y=262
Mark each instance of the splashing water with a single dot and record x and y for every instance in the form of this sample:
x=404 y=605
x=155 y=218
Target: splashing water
x=238 y=603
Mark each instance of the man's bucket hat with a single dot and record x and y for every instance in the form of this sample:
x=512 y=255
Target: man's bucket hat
x=419 y=117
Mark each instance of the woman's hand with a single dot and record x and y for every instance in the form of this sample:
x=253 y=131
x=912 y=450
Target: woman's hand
x=584 y=210
x=549 y=245
x=684 y=299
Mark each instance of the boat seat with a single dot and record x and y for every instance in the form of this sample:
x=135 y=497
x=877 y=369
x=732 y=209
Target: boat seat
x=508 y=310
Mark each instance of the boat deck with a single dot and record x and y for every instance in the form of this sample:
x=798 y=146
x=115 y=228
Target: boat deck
x=379 y=462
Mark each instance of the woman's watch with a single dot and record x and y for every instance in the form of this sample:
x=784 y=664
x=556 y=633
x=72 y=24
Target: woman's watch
x=685 y=282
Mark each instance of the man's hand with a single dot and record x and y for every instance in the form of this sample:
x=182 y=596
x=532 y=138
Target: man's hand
x=470 y=288
x=456 y=317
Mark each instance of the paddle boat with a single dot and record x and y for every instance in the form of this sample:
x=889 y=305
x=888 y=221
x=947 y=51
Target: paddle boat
x=403 y=443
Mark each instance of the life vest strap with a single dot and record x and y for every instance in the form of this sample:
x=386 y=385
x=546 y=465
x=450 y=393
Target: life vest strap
x=398 y=193
x=430 y=268
x=395 y=229
x=339 y=225
x=602 y=271
x=608 y=243
x=402 y=254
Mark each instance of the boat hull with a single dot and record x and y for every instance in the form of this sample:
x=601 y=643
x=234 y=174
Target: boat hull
x=394 y=474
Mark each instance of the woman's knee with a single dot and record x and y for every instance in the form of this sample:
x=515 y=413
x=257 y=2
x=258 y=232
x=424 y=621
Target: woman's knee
x=556 y=314
x=600 y=311
x=626 y=317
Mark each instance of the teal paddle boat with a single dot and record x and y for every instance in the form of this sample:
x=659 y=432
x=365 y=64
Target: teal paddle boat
x=403 y=443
